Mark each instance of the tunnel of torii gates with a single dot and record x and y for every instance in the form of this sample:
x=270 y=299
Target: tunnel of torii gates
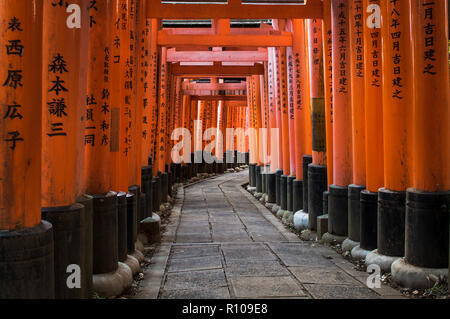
x=341 y=109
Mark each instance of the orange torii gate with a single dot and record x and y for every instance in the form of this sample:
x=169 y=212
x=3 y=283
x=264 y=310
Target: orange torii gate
x=343 y=103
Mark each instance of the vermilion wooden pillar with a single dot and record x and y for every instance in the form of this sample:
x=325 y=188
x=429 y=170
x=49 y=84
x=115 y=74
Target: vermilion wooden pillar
x=342 y=126
x=162 y=113
x=21 y=228
x=317 y=170
x=373 y=103
x=98 y=103
x=300 y=105
x=64 y=117
x=153 y=87
x=357 y=22
x=397 y=114
x=328 y=81
x=427 y=199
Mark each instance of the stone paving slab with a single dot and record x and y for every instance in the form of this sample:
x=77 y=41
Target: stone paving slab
x=255 y=287
x=195 y=263
x=221 y=242
x=201 y=279
x=195 y=251
x=321 y=291
x=323 y=275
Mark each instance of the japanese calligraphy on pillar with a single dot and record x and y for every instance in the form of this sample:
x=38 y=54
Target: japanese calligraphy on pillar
x=342 y=64
x=317 y=89
x=429 y=48
x=12 y=83
x=290 y=78
x=373 y=57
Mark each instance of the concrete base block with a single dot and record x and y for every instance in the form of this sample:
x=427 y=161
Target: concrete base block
x=383 y=261
x=308 y=235
x=288 y=217
x=269 y=205
x=230 y=170
x=150 y=227
x=113 y=284
x=280 y=213
x=251 y=189
x=133 y=263
x=300 y=220
x=359 y=253
x=329 y=239
x=258 y=195
x=263 y=198
x=140 y=242
x=138 y=255
x=275 y=208
x=410 y=276
x=348 y=244
x=322 y=226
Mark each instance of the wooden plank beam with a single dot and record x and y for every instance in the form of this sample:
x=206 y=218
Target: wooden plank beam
x=235 y=9
x=216 y=69
x=278 y=40
x=214 y=86
x=216 y=56
x=221 y=98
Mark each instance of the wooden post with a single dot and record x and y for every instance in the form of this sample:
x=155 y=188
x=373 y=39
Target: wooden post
x=21 y=228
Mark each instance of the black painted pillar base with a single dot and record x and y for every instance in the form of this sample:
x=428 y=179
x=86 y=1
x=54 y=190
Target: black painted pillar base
x=426 y=240
x=278 y=174
x=297 y=194
x=105 y=233
x=283 y=192
x=252 y=175
x=263 y=180
x=70 y=246
x=164 y=187
x=136 y=190
x=326 y=194
x=426 y=228
x=391 y=222
x=169 y=183
x=290 y=193
x=338 y=210
x=122 y=213
x=307 y=159
x=156 y=188
x=146 y=182
x=354 y=211
x=132 y=208
x=247 y=158
x=271 y=188
x=369 y=220
x=27 y=263
x=317 y=184
x=88 y=202
x=258 y=178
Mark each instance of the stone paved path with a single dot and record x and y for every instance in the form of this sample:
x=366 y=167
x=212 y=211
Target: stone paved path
x=222 y=243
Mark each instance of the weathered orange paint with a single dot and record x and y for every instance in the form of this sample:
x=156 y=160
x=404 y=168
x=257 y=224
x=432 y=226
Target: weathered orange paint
x=97 y=154
x=284 y=110
x=64 y=99
x=431 y=114
x=162 y=114
x=397 y=96
x=342 y=125
x=20 y=136
x=328 y=79
x=358 y=88
x=291 y=108
x=300 y=79
x=153 y=88
x=318 y=133
x=277 y=83
x=373 y=102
